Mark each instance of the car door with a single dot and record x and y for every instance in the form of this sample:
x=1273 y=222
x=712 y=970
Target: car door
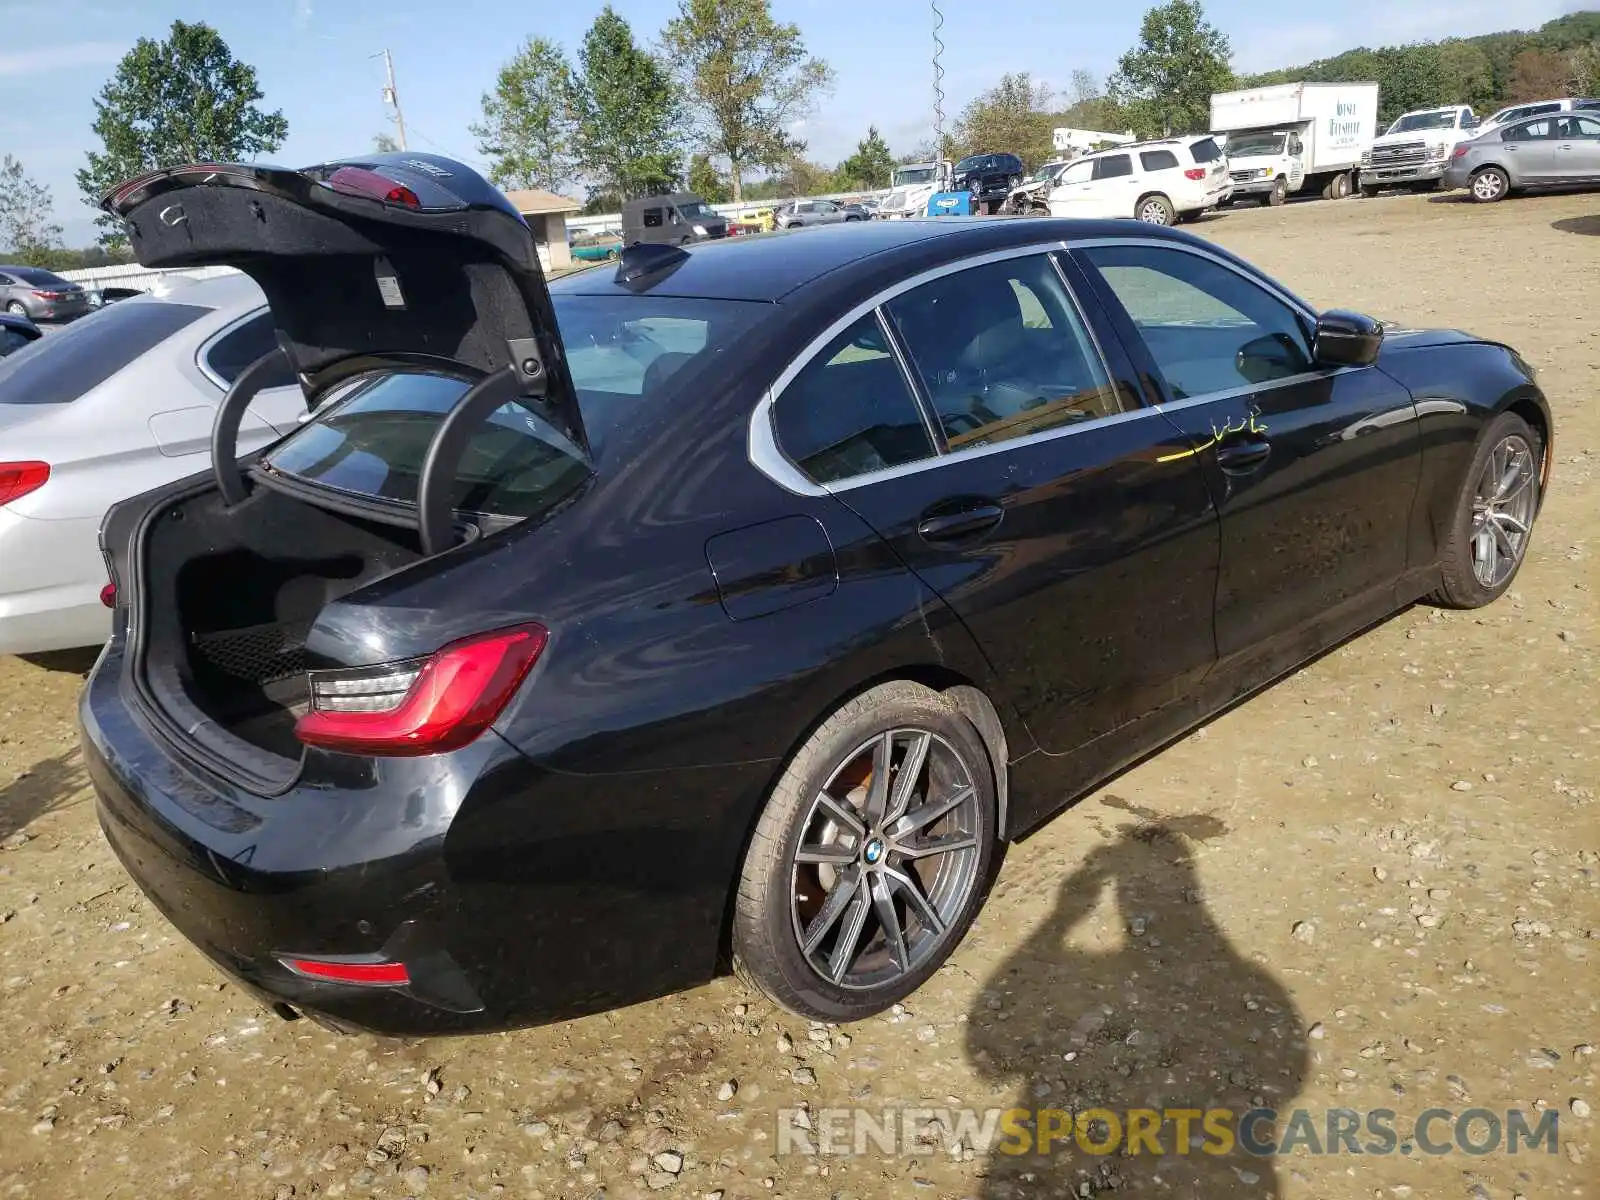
x=1315 y=470
x=1297 y=161
x=1117 y=186
x=1050 y=514
x=1074 y=193
x=827 y=212
x=1530 y=149
x=1578 y=148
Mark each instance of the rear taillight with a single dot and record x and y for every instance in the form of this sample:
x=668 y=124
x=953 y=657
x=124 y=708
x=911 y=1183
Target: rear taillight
x=51 y=295
x=1195 y=173
x=17 y=479
x=423 y=706
x=1461 y=151
x=108 y=595
x=358 y=181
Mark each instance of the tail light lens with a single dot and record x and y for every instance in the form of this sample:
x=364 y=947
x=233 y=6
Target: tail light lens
x=357 y=181
x=17 y=479
x=422 y=706
x=371 y=973
x=1461 y=151
x=1195 y=173
x=108 y=595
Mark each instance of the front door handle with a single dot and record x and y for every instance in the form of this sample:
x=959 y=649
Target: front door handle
x=1244 y=456
x=963 y=523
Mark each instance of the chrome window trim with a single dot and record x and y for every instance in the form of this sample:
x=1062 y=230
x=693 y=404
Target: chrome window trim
x=762 y=442
x=202 y=355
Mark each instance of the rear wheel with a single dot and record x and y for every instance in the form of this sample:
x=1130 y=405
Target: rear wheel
x=1338 y=187
x=16 y=309
x=1494 y=514
x=1279 y=192
x=1489 y=185
x=871 y=858
x=1156 y=210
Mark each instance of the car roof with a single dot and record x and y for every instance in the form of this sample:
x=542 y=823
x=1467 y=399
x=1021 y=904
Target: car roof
x=769 y=266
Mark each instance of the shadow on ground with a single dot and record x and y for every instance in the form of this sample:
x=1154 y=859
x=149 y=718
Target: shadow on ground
x=1175 y=1019
x=1584 y=225
x=69 y=662
x=44 y=787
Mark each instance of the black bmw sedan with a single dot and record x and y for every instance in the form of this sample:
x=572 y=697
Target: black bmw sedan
x=731 y=604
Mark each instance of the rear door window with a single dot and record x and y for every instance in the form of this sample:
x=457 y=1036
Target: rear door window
x=1157 y=160
x=652 y=218
x=851 y=411
x=60 y=368
x=1113 y=166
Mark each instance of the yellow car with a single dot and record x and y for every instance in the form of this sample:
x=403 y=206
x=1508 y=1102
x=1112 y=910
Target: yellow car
x=757 y=220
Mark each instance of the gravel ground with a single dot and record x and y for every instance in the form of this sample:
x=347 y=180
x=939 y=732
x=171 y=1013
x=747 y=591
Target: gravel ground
x=1375 y=886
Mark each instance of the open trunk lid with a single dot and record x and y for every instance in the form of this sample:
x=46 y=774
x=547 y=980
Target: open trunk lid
x=398 y=263
x=390 y=256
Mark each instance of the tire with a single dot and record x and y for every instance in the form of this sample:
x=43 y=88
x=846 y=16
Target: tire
x=1279 y=193
x=1337 y=187
x=1228 y=203
x=1463 y=581
x=1155 y=209
x=612 y=254
x=1489 y=185
x=1369 y=193
x=17 y=309
x=779 y=899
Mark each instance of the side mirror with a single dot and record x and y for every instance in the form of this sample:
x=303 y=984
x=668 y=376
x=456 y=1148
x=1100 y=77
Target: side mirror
x=1346 y=339
x=1272 y=356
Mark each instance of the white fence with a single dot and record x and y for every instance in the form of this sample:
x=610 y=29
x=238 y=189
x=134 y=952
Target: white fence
x=132 y=275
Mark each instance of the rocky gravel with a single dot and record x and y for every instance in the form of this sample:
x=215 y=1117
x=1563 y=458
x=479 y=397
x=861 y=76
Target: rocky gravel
x=1376 y=886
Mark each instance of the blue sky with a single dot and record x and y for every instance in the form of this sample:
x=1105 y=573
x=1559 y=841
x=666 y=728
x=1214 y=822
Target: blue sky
x=312 y=56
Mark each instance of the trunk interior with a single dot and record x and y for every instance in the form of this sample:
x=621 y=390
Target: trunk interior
x=230 y=596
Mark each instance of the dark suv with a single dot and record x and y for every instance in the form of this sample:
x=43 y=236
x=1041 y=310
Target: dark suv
x=989 y=177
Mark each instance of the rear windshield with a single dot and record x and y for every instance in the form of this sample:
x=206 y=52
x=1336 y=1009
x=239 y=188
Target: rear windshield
x=623 y=352
x=1206 y=150
x=63 y=366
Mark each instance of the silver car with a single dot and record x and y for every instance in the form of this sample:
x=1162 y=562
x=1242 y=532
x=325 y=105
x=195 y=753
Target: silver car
x=40 y=295
x=817 y=212
x=111 y=406
x=1557 y=150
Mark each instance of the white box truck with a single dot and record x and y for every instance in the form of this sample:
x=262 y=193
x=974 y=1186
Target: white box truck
x=1296 y=137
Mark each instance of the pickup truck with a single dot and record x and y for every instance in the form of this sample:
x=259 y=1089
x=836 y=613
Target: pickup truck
x=1415 y=150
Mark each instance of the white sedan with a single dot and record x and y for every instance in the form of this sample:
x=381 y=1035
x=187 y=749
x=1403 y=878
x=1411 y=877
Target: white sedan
x=114 y=404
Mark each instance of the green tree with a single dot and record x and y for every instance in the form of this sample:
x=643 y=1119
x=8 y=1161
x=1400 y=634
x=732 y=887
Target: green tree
x=383 y=143
x=186 y=99
x=1165 y=83
x=1468 y=74
x=629 y=137
x=528 y=125
x=747 y=79
x=1013 y=116
x=1088 y=107
x=869 y=167
x=706 y=181
x=27 y=233
x=1409 y=78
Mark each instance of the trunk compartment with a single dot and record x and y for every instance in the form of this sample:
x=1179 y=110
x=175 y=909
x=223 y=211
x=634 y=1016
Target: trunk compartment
x=229 y=596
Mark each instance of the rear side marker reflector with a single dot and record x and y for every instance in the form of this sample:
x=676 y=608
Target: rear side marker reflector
x=17 y=479
x=415 y=707
x=364 y=974
x=108 y=595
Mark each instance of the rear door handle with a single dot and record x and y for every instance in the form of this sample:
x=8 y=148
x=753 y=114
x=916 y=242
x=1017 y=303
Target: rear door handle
x=963 y=523
x=1244 y=456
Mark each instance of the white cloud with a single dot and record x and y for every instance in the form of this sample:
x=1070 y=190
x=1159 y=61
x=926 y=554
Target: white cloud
x=59 y=58
x=302 y=13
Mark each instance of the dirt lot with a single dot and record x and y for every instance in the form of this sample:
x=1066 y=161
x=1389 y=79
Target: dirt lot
x=1375 y=887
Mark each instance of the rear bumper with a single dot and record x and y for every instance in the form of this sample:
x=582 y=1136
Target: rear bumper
x=513 y=895
x=58 y=310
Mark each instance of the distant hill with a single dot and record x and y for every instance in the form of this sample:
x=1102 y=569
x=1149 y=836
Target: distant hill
x=1560 y=58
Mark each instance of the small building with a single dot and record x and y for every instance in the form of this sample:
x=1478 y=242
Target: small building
x=546 y=214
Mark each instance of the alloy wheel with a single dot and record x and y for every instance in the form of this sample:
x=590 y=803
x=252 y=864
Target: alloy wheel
x=1487 y=185
x=1503 y=509
x=1153 y=212
x=887 y=859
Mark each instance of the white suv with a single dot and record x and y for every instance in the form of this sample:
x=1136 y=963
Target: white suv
x=1162 y=182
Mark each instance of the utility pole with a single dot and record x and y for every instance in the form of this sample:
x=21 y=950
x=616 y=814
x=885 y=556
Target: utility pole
x=392 y=97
